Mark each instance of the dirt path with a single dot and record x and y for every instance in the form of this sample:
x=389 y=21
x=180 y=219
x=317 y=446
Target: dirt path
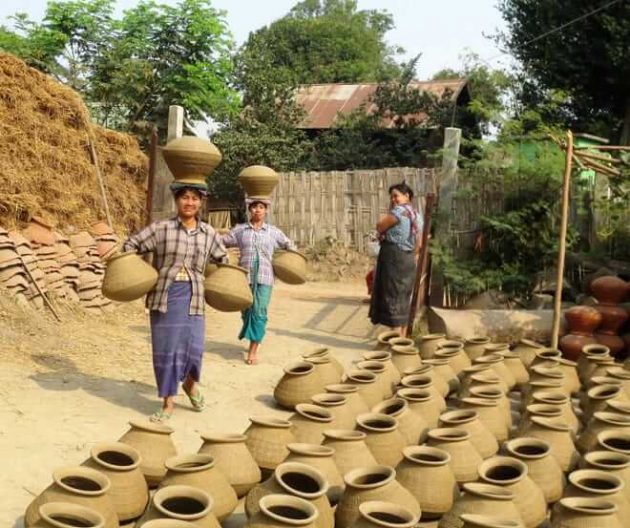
x=65 y=387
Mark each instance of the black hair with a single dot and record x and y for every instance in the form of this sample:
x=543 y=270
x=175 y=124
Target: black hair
x=402 y=188
x=180 y=192
x=256 y=202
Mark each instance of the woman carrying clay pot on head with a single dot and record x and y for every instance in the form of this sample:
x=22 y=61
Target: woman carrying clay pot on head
x=257 y=240
x=181 y=248
x=400 y=230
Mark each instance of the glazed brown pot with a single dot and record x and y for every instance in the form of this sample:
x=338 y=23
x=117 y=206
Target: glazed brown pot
x=609 y=289
x=582 y=322
x=200 y=472
x=154 y=443
x=233 y=459
x=367 y=484
x=427 y=474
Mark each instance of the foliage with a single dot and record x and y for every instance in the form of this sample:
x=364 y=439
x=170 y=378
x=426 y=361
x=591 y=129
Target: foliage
x=586 y=61
x=130 y=70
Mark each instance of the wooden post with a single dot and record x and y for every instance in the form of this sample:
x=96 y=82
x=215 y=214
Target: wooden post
x=99 y=177
x=175 y=122
x=419 y=288
x=562 y=246
x=152 y=168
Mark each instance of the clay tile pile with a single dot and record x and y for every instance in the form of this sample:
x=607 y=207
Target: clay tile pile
x=104 y=236
x=29 y=262
x=69 y=266
x=43 y=243
x=12 y=274
x=91 y=271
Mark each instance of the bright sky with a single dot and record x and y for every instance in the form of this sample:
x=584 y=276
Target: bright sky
x=441 y=30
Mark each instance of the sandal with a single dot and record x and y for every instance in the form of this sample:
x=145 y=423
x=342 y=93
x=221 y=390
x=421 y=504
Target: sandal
x=160 y=416
x=198 y=402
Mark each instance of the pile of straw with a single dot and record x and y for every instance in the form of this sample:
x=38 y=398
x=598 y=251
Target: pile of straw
x=45 y=165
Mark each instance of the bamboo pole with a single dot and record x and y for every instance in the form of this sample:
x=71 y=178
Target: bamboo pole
x=419 y=289
x=562 y=246
x=99 y=177
x=39 y=290
x=152 y=169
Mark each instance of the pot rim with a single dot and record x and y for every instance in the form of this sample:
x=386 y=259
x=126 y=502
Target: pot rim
x=291 y=368
x=364 y=417
x=489 y=521
x=409 y=519
x=551 y=423
x=125 y=449
x=423 y=369
x=496 y=347
x=596 y=349
x=430 y=337
x=550 y=397
x=613 y=418
x=477 y=341
x=397 y=401
x=384 y=337
x=595 y=393
x=415 y=395
x=373 y=366
x=550 y=410
x=345 y=435
x=411 y=453
x=336 y=399
x=604 y=436
x=309 y=471
x=177 y=490
x=449 y=434
x=68 y=508
x=388 y=472
x=227 y=438
x=401 y=341
x=530 y=343
x=595 y=459
x=151 y=427
x=503 y=461
x=480 y=402
x=378 y=355
x=268 y=501
x=589 y=506
x=406 y=350
x=459 y=416
x=364 y=377
x=202 y=462
x=484 y=489
x=310 y=450
x=620 y=407
x=314 y=412
x=341 y=388
x=513 y=445
x=321 y=351
x=618 y=372
x=84 y=472
x=270 y=421
x=575 y=478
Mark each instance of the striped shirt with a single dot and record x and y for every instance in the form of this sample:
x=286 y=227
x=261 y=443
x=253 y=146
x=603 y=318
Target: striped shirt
x=261 y=242
x=175 y=247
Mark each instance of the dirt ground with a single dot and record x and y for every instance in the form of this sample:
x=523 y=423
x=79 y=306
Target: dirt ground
x=65 y=387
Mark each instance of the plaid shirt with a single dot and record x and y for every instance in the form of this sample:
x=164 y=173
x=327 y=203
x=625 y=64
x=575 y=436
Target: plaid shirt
x=262 y=242
x=174 y=247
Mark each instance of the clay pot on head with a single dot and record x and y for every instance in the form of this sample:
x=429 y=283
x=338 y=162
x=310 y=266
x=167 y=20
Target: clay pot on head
x=258 y=180
x=392 y=373
x=480 y=436
x=78 y=485
x=289 y=266
x=121 y=464
x=154 y=443
x=422 y=403
x=233 y=459
x=68 y=515
x=337 y=404
x=368 y=484
x=464 y=457
x=183 y=503
x=128 y=277
x=298 y=384
x=542 y=467
x=350 y=450
x=411 y=425
x=284 y=511
x=512 y=474
x=380 y=514
x=602 y=421
x=227 y=289
x=473 y=520
x=298 y=480
x=578 y=512
x=324 y=352
x=474 y=346
x=429 y=343
x=365 y=380
x=310 y=422
x=489 y=414
x=427 y=474
x=382 y=379
x=526 y=349
x=267 y=439
x=481 y=498
x=321 y=458
x=557 y=434
x=383 y=339
x=200 y=472
x=354 y=400
x=405 y=358
x=190 y=159
x=382 y=437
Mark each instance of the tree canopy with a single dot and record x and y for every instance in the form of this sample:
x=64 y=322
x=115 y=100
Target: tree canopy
x=586 y=62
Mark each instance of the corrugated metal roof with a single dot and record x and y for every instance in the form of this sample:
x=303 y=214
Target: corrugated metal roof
x=323 y=102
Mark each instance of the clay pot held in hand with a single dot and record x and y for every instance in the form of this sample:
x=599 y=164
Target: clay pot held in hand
x=267 y=439
x=128 y=277
x=155 y=445
x=233 y=459
x=200 y=472
x=368 y=484
x=121 y=464
x=68 y=515
x=227 y=289
x=78 y=485
x=290 y=266
x=426 y=473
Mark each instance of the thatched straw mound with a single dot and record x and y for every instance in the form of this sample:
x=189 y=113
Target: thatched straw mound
x=45 y=165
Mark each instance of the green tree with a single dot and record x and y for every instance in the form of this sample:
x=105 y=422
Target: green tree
x=131 y=69
x=586 y=61
x=323 y=41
